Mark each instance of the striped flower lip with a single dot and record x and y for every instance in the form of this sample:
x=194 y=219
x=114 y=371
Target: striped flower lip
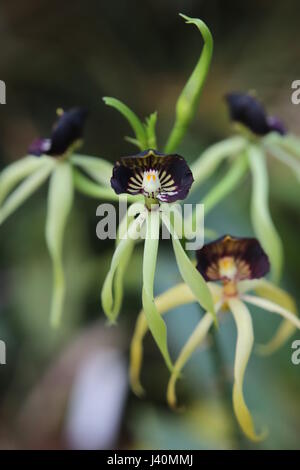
x=232 y=259
x=247 y=110
x=166 y=178
x=66 y=134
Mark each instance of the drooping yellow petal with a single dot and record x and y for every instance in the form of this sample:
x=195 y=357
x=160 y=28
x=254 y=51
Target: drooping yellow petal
x=179 y=295
x=273 y=308
x=192 y=343
x=270 y=291
x=243 y=350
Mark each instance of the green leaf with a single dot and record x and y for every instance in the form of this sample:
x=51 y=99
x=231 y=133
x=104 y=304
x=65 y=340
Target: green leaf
x=189 y=273
x=211 y=158
x=150 y=130
x=111 y=300
x=98 y=168
x=131 y=117
x=156 y=324
x=260 y=212
x=60 y=199
x=25 y=189
x=188 y=101
x=16 y=172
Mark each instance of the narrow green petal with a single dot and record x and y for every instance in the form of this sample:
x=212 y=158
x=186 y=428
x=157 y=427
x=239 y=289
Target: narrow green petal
x=220 y=190
x=132 y=118
x=16 y=172
x=156 y=324
x=286 y=159
x=260 y=212
x=190 y=346
x=189 y=273
x=172 y=298
x=98 y=168
x=205 y=165
x=273 y=308
x=291 y=143
x=24 y=190
x=188 y=100
x=60 y=199
x=94 y=190
x=227 y=184
x=111 y=300
x=244 y=345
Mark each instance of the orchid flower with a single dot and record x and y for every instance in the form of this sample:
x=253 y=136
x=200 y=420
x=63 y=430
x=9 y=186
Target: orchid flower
x=55 y=157
x=238 y=266
x=161 y=180
x=259 y=135
x=157 y=180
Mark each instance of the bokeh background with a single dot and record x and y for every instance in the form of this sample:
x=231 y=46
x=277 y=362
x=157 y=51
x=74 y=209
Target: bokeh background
x=68 y=388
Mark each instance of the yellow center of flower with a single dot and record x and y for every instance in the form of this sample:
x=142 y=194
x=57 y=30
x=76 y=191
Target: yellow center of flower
x=151 y=182
x=227 y=267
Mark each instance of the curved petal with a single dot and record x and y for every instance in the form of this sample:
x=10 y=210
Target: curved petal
x=16 y=172
x=172 y=298
x=270 y=291
x=190 y=346
x=260 y=213
x=188 y=272
x=273 y=308
x=156 y=324
x=25 y=189
x=205 y=165
x=134 y=121
x=60 y=198
x=243 y=350
x=110 y=303
x=188 y=100
x=98 y=168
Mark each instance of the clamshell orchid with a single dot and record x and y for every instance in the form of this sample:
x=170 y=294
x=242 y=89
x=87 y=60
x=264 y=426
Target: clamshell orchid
x=54 y=157
x=232 y=267
x=161 y=180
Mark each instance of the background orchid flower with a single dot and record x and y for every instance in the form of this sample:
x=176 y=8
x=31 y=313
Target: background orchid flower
x=239 y=265
x=54 y=157
x=260 y=135
x=161 y=179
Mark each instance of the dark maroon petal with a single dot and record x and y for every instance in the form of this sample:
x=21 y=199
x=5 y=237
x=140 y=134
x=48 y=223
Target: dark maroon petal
x=172 y=172
x=121 y=178
x=248 y=111
x=250 y=259
x=276 y=125
x=66 y=131
x=178 y=172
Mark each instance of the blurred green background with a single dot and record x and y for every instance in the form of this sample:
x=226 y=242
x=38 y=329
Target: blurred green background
x=61 y=54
